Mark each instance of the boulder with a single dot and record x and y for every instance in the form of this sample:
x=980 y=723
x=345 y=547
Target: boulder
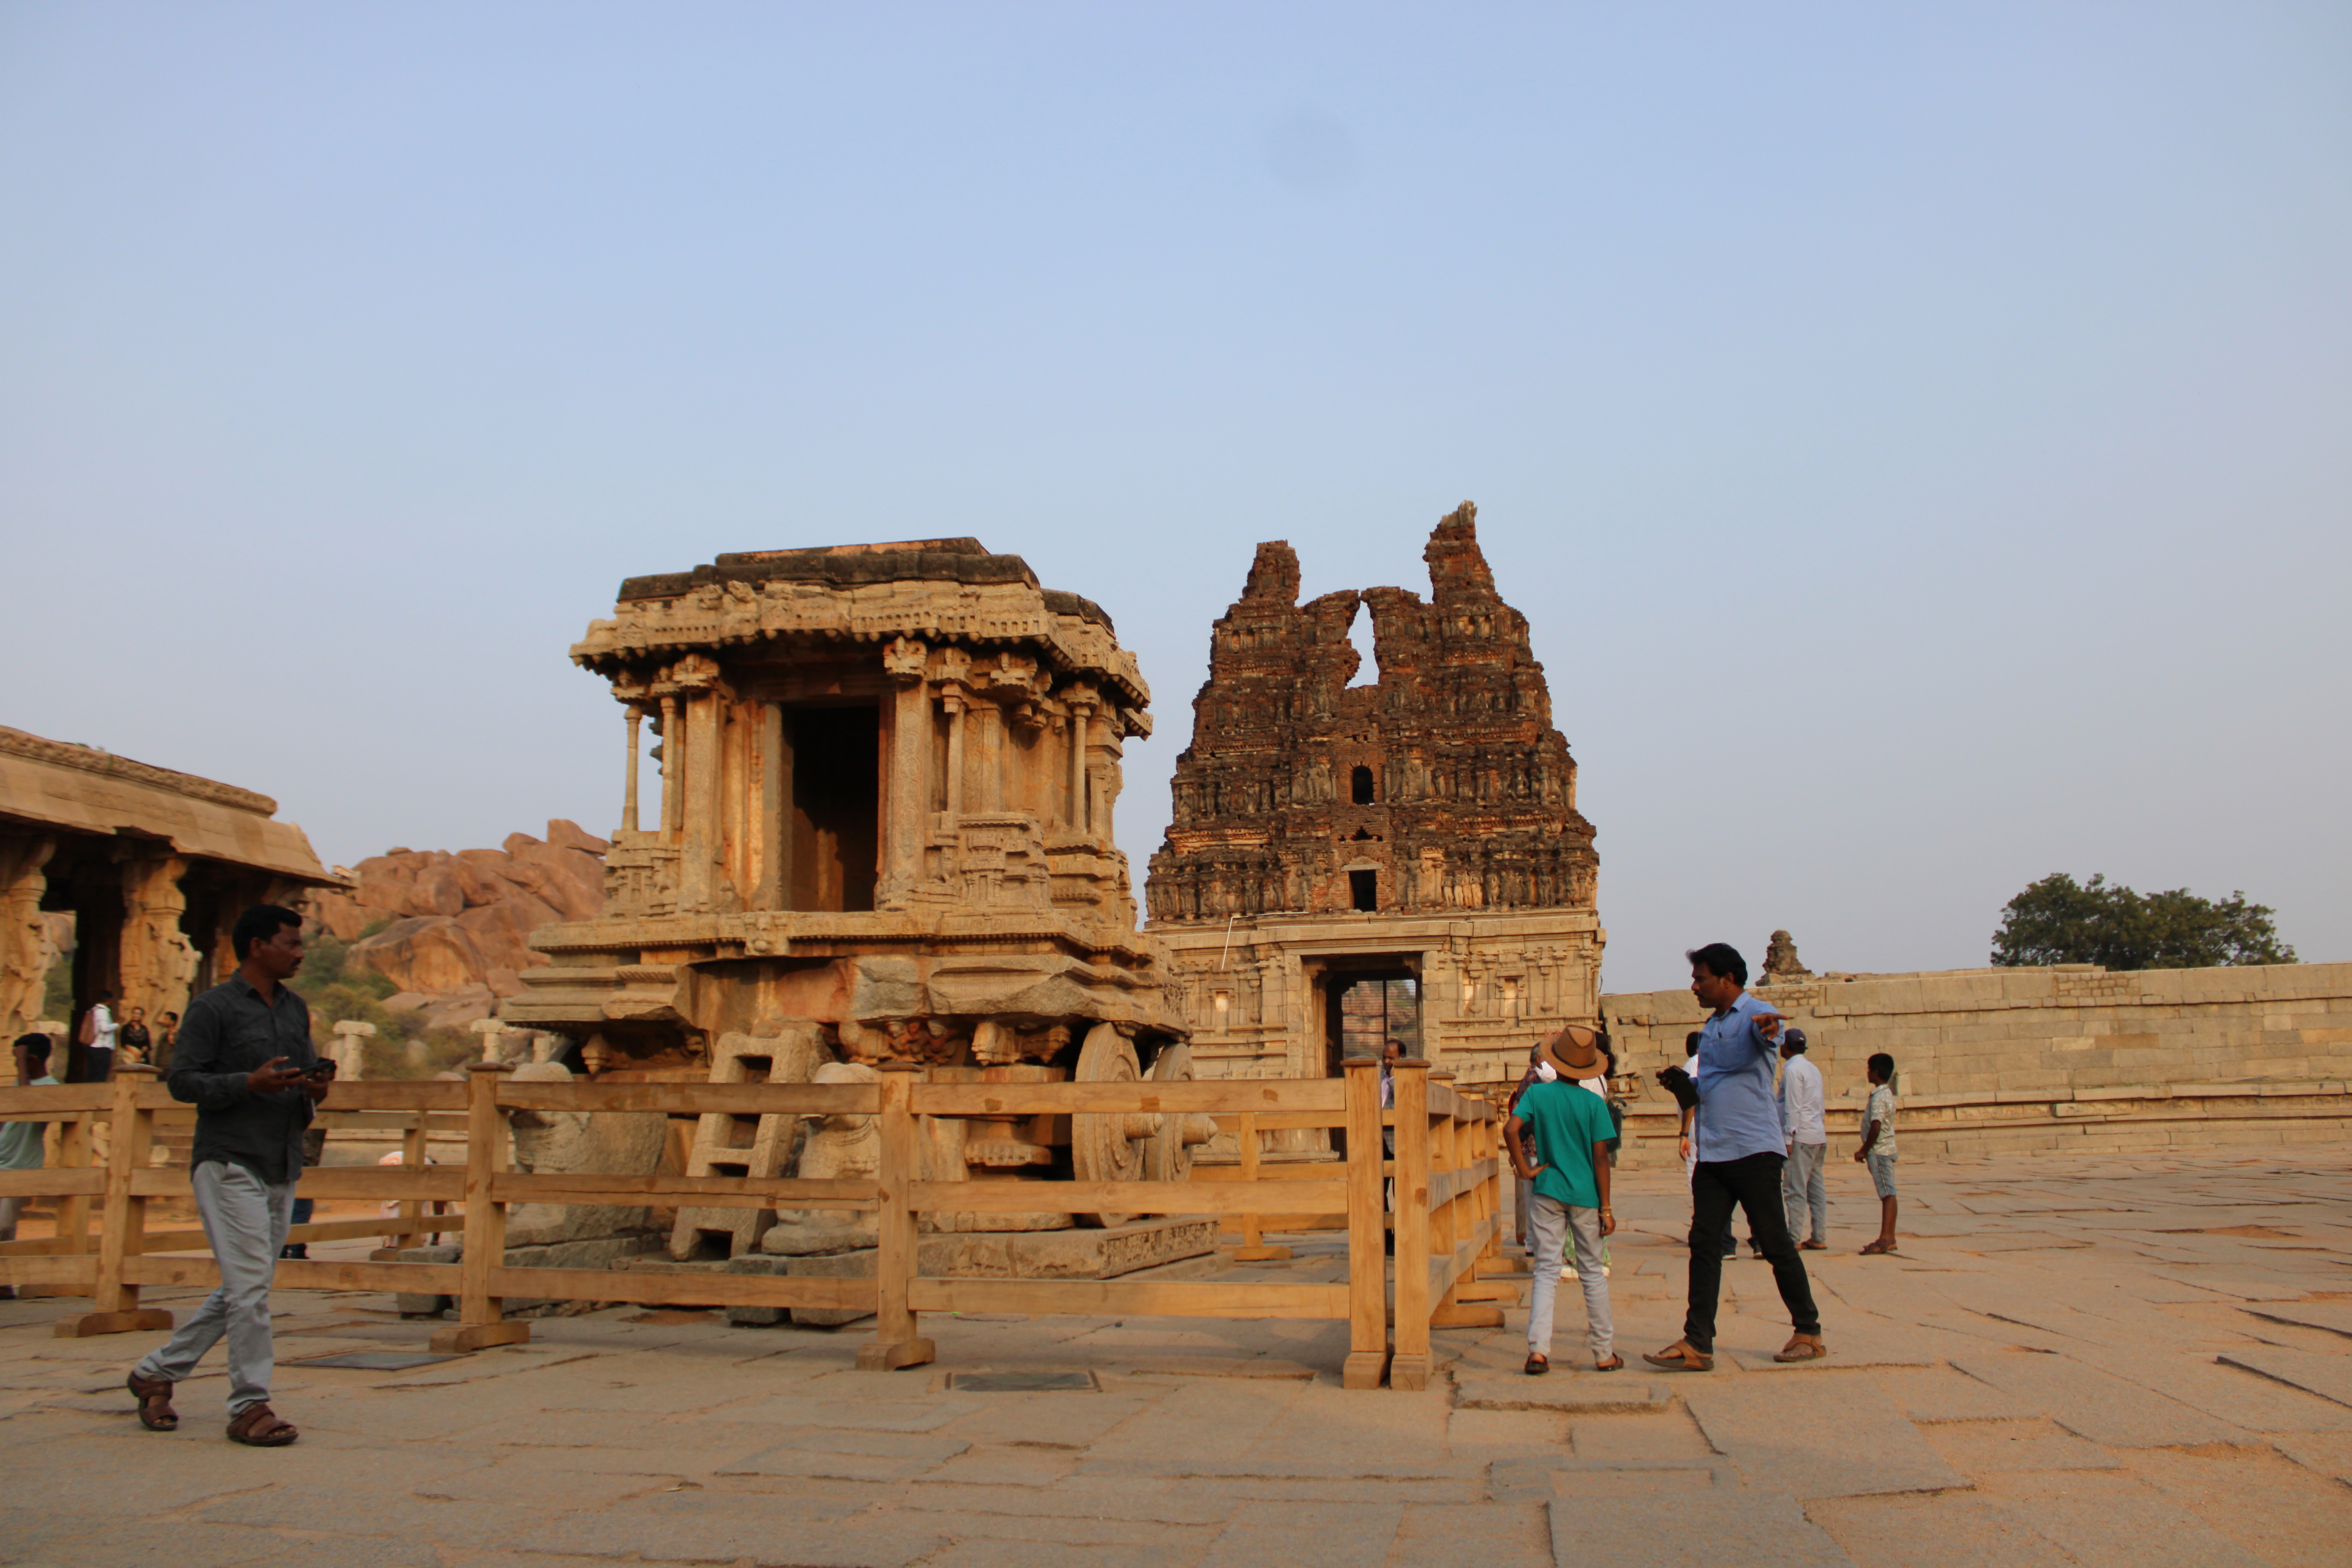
x=434 y=955
x=463 y=922
x=566 y=835
x=580 y=1142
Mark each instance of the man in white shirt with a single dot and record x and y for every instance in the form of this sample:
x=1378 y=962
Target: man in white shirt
x=98 y=1063
x=1801 y=1183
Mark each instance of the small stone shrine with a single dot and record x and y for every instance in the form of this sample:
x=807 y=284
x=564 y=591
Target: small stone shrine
x=883 y=832
x=1402 y=860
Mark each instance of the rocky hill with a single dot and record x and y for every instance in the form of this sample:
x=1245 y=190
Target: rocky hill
x=459 y=924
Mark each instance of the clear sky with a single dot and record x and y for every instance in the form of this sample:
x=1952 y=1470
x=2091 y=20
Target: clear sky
x=1921 y=435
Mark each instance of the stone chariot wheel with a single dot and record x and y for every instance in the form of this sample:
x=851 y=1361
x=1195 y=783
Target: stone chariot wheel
x=1168 y=1157
x=1107 y=1146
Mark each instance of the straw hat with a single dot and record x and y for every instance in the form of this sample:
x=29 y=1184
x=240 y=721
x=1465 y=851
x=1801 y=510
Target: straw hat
x=1574 y=1052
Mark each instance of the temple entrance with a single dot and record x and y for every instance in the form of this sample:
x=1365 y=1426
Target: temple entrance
x=835 y=820
x=1368 y=1000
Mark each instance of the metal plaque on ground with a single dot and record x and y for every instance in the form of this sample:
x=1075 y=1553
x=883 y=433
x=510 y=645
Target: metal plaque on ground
x=1019 y=1382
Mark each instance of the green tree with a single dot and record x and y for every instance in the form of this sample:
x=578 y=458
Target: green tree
x=2060 y=921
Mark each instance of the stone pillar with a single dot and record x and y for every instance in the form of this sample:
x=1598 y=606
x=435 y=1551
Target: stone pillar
x=910 y=772
x=988 y=720
x=629 y=793
x=774 y=831
x=350 y=1049
x=953 y=701
x=24 y=943
x=1081 y=736
x=699 y=783
x=157 y=963
x=502 y=1041
x=673 y=753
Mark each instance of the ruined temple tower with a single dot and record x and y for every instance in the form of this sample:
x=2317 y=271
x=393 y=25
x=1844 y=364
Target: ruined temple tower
x=1399 y=860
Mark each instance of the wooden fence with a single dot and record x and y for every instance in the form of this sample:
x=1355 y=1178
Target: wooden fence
x=1443 y=1186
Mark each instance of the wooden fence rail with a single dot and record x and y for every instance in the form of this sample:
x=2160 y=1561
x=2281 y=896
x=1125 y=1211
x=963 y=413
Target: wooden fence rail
x=1439 y=1195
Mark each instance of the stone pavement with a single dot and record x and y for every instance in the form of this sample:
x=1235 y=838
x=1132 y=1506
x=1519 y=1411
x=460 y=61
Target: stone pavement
x=2140 y=1361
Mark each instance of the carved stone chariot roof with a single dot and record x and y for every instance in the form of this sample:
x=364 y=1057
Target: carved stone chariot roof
x=936 y=590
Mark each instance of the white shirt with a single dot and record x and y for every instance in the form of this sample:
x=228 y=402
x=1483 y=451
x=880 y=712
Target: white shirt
x=1801 y=1102
x=101 y=1028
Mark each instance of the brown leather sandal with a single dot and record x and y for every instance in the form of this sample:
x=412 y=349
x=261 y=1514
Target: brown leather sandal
x=1680 y=1357
x=154 y=1397
x=258 y=1427
x=1802 y=1347
x=1611 y=1364
x=1537 y=1364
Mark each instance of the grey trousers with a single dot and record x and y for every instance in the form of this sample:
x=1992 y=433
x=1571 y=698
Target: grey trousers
x=1802 y=1187
x=245 y=1220
x=1551 y=1223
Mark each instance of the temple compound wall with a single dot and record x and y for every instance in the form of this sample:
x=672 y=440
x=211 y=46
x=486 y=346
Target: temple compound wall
x=1402 y=858
x=153 y=866
x=883 y=834
x=2073 y=1058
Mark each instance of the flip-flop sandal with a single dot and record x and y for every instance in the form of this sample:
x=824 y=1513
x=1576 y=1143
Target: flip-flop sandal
x=1801 y=1349
x=1679 y=1357
x=1877 y=1249
x=154 y=1397
x=1536 y=1365
x=258 y=1427
x=1611 y=1364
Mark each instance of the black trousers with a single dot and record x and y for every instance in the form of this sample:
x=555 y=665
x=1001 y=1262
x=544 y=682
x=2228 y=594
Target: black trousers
x=1753 y=1183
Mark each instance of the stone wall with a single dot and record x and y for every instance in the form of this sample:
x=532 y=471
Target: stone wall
x=2071 y=1058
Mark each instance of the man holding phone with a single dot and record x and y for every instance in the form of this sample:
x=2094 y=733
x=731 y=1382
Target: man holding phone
x=244 y=1058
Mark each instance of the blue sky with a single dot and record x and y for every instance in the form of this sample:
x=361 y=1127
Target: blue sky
x=1917 y=435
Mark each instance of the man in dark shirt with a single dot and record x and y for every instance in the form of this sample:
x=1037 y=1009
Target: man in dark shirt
x=244 y=1058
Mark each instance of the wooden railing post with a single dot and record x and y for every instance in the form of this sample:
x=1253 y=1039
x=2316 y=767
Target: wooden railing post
x=114 y=1304
x=75 y=1144
x=1409 y=1367
x=410 y=1210
x=1253 y=1249
x=1367 y=1294
x=1490 y=1148
x=896 y=1342
x=480 y=1323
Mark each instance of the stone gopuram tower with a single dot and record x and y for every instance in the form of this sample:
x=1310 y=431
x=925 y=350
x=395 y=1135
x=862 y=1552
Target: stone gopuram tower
x=1399 y=859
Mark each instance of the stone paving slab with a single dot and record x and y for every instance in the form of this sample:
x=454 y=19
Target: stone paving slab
x=1564 y=1393
x=1983 y=1447
x=1691 y=1529
x=2104 y=1521
x=1943 y=1531
x=2125 y=1432
x=1833 y=1435
x=2090 y=1403
x=2328 y=1377
x=2336 y=1317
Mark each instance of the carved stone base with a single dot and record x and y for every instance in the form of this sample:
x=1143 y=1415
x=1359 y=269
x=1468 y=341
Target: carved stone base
x=991 y=1255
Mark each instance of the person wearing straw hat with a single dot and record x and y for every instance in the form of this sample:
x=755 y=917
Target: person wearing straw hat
x=1570 y=1171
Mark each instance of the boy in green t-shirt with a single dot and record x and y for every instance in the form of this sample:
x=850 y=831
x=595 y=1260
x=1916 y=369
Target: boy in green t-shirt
x=1571 y=1130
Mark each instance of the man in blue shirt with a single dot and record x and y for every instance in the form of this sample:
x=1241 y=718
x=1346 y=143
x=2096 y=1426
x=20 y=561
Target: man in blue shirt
x=1741 y=1150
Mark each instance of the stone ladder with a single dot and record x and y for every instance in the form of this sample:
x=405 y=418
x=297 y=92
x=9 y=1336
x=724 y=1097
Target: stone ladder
x=757 y=1146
